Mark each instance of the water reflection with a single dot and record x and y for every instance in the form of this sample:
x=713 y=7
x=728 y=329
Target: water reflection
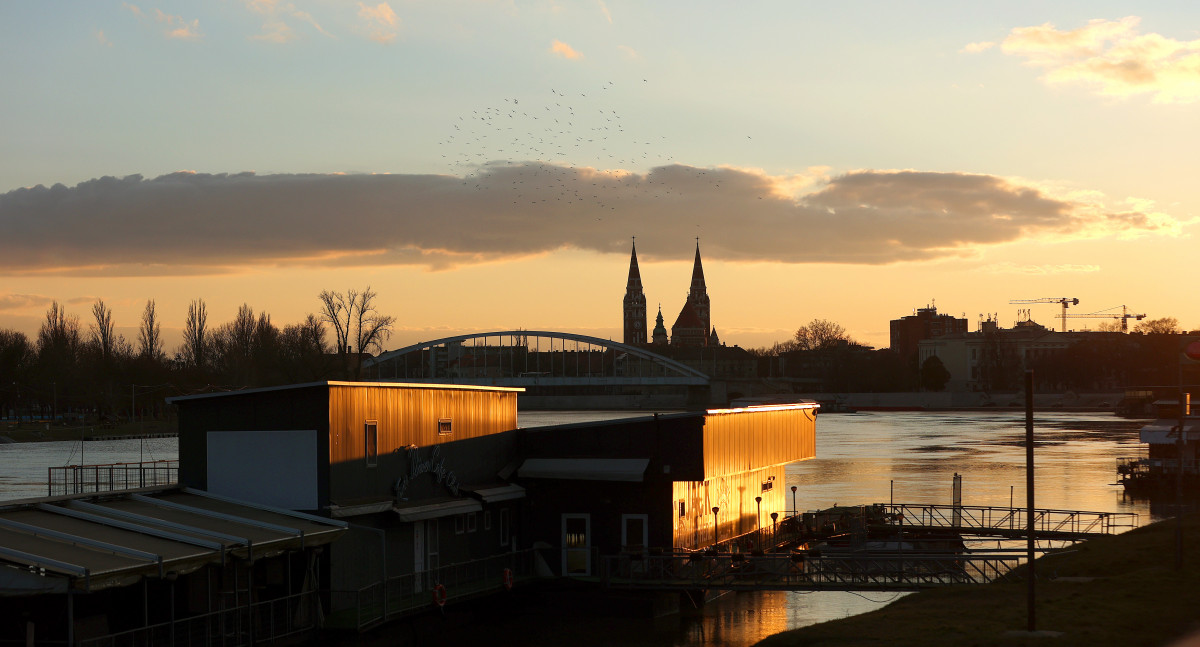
x=862 y=458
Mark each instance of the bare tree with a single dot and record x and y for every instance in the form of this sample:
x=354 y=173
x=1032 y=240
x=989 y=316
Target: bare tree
x=355 y=319
x=1109 y=326
x=1163 y=326
x=195 y=334
x=59 y=332
x=820 y=334
x=102 y=330
x=150 y=333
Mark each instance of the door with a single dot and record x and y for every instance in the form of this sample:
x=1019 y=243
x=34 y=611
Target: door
x=634 y=533
x=577 y=546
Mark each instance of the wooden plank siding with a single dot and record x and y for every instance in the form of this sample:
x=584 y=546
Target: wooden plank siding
x=740 y=440
x=405 y=414
x=734 y=495
x=408 y=414
x=745 y=454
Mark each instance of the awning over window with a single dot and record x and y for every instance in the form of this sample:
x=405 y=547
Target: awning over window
x=495 y=493
x=436 y=508
x=585 y=469
x=1160 y=432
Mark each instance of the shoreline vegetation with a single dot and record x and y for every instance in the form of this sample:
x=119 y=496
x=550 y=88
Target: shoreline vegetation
x=1121 y=590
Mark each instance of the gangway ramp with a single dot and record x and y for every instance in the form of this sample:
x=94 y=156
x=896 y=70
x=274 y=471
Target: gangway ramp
x=1008 y=522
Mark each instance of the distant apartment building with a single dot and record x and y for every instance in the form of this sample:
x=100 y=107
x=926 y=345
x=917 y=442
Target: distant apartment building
x=908 y=332
x=993 y=358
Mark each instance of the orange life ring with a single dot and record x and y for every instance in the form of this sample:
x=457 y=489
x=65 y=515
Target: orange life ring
x=507 y=578
x=439 y=595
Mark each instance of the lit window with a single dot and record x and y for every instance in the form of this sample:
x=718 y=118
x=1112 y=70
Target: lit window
x=371 y=436
x=445 y=427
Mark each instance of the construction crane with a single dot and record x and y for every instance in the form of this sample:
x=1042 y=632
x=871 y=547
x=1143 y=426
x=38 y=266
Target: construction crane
x=1124 y=317
x=1065 y=301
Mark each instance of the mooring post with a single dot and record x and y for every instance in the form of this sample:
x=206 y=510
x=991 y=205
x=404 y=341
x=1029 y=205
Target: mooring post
x=1029 y=497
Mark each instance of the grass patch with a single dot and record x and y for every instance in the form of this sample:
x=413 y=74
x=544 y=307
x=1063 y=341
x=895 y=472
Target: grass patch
x=1122 y=590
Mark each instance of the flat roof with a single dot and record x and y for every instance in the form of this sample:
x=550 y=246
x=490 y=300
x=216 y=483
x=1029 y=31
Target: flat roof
x=306 y=385
x=96 y=541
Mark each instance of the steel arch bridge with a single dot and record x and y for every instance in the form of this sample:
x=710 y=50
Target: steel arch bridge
x=532 y=358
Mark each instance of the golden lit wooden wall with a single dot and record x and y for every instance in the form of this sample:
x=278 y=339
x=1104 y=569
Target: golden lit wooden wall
x=734 y=495
x=408 y=414
x=738 y=440
x=743 y=450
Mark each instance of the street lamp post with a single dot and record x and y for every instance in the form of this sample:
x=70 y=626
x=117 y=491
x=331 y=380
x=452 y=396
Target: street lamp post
x=758 y=521
x=716 y=538
x=794 y=512
x=774 y=526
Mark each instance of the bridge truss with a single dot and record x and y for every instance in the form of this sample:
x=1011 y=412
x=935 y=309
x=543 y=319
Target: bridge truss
x=532 y=358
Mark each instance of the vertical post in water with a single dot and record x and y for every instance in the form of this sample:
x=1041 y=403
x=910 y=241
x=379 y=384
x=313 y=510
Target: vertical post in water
x=1179 y=443
x=1029 y=496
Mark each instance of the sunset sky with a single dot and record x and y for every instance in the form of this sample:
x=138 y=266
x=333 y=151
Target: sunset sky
x=484 y=165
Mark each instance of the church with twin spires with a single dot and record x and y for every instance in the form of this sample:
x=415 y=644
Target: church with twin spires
x=692 y=328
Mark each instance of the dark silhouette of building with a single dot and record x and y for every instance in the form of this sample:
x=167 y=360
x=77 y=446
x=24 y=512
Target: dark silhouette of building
x=693 y=327
x=908 y=332
x=634 y=304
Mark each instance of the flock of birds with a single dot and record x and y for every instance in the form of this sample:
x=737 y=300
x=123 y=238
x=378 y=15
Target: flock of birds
x=528 y=150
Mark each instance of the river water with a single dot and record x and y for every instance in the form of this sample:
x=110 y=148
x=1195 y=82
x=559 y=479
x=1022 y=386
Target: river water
x=905 y=457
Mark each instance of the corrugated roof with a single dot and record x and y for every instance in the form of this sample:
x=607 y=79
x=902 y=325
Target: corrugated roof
x=92 y=542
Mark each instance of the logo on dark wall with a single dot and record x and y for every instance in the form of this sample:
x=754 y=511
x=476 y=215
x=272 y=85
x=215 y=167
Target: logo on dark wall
x=435 y=465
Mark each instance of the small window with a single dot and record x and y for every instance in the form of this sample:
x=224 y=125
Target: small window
x=487 y=520
x=371 y=436
x=460 y=524
x=471 y=523
x=445 y=427
x=682 y=509
x=505 y=526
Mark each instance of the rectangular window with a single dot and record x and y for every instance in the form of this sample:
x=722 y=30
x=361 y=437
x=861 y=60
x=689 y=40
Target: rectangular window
x=487 y=520
x=371 y=437
x=505 y=526
x=445 y=427
x=682 y=509
x=460 y=524
x=471 y=523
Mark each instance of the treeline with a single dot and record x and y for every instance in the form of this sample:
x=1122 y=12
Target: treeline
x=95 y=375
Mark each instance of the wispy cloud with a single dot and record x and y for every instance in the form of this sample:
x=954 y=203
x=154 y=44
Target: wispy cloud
x=975 y=48
x=1039 y=270
x=604 y=10
x=178 y=27
x=198 y=223
x=278 y=18
x=559 y=48
x=11 y=301
x=381 y=21
x=102 y=39
x=1113 y=58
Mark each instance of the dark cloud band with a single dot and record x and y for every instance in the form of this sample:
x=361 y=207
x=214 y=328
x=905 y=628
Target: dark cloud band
x=186 y=223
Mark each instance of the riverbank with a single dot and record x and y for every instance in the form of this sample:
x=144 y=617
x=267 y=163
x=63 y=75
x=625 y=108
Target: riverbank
x=28 y=432
x=1119 y=591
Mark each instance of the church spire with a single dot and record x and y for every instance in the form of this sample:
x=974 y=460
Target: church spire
x=634 y=304
x=697 y=274
x=698 y=293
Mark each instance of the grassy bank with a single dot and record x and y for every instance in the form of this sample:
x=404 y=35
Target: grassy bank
x=1121 y=590
x=38 y=431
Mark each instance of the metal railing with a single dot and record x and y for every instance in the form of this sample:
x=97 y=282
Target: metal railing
x=400 y=595
x=1009 y=521
x=80 y=479
x=803 y=571
x=261 y=622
